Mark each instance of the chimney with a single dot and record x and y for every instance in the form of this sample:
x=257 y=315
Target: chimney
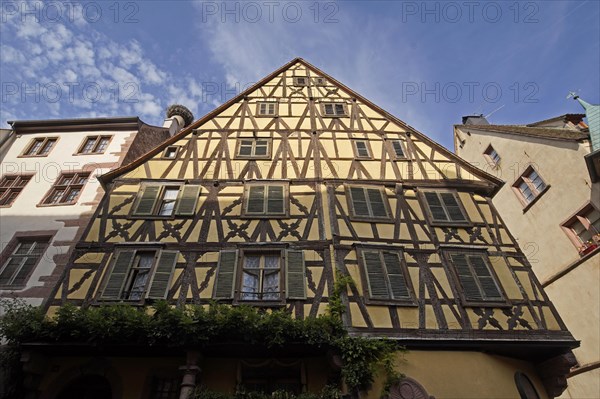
x=474 y=120
x=178 y=117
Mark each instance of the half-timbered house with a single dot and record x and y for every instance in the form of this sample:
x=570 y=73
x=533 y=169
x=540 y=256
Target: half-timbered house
x=267 y=200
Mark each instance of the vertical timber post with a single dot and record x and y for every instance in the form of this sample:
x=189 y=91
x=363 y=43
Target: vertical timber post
x=190 y=371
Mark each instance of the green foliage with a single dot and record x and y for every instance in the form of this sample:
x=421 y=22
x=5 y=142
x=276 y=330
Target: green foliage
x=335 y=305
x=328 y=392
x=196 y=326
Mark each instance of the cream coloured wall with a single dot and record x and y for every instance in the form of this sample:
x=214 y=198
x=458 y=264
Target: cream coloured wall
x=548 y=248
x=25 y=214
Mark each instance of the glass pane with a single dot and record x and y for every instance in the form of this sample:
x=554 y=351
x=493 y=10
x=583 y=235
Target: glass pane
x=526 y=191
x=271 y=261
x=102 y=144
x=328 y=109
x=35 y=147
x=47 y=147
x=73 y=193
x=66 y=180
x=10 y=269
x=271 y=286
x=166 y=209
x=261 y=149
x=139 y=283
x=8 y=181
x=89 y=145
x=23 y=180
x=250 y=286
x=339 y=109
x=252 y=262
x=24 y=248
x=55 y=197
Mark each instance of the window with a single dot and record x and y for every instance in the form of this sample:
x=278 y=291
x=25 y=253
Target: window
x=170 y=152
x=444 y=206
x=475 y=277
x=386 y=275
x=334 y=109
x=66 y=189
x=267 y=109
x=166 y=200
x=94 y=145
x=265 y=200
x=300 y=81
x=368 y=202
x=40 y=147
x=492 y=156
x=529 y=186
x=584 y=228
x=165 y=387
x=271 y=377
x=361 y=149
x=10 y=188
x=398 y=150
x=139 y=273
x=320 y=81
x=260 y=275
x=254 y=148
x=24 y=256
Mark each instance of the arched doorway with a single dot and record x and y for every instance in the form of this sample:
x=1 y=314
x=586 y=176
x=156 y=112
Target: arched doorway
x=87 y=387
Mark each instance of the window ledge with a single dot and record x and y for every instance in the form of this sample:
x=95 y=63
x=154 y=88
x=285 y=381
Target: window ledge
x=79 y=154
x=490 y=304
x=371 y=220
x=533 y=201
x=52 y=205
x=392 y=302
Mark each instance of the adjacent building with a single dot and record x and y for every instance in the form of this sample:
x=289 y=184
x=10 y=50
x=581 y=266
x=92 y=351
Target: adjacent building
x=49 y=189
x=551 y=203
x=272 y=199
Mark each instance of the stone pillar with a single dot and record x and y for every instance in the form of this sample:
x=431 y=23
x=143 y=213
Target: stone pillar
x=190 y=372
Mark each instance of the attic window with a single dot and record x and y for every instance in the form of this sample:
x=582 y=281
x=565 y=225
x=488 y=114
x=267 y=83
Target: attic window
x=300 y=81
x=267 y=109
x=320 y=81
x=529 y=187
x=170 y=152
x=361 y=149
x=492 y=156
x=334 y=109
x=398 y=150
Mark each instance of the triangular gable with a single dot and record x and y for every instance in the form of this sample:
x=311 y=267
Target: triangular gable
x=364 y=116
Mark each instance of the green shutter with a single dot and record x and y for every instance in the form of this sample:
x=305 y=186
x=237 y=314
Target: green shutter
x=377 y=202
x=486 y=280
x=452 y=206
x=256 y=200
x=435 y=206
x=225 y=280
x=118 y=274
x=295 y=275
x=398 y=285
x=275 y=200
x=375 y=278
x=163 y=272
x=467 y=280
x=359 y=201
x=188 y=198
x=147 y=201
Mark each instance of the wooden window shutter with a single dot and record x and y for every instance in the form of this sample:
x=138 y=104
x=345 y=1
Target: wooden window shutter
x=486 y=280
x=188 y=198
x=452 y=207
x=275 y=200
x=225 y=280
x=256 y=199
x=163 y=273
x=467 y=280
x=359 y=201
x=398 y=284
x=295 y=275
x=118 y=273
x=378 y=288
x=435 y=206
x=377 y=202
x=147 y=202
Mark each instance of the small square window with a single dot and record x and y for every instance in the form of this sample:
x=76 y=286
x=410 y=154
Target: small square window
x=529 y=186
x=10 y=188
x=170 y=152
x=334 y=109
x=40 y=147
x=398 y=149
x=361 y=149
x=255 y=148
x=300 y=81
x=265 y=200
x=25 y=254
x=492 y=156
x=368 y=203
x=94 y=145
x=267 y=109
x=67 y=189
x=320 y=81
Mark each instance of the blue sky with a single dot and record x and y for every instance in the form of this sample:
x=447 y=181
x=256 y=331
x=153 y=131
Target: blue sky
x=427 y=62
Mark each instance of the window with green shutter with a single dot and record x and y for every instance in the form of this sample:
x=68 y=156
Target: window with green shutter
x=386 y=275
x=265 y=200
x=137 y=274
x=444 y=206
x=159 y=200
x=475 y=276
x=368 y=203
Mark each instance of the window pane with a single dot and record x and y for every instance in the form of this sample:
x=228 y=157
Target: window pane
x=328 y=109
x=55 y=197
x=361 y=149
x=339 y=109
x=271 y=286
x=47 y=147
x=398 y=148
x=10 y=269
x=246 y=147
x=8 y=181
x=250 y=286
x=89 y=145
x=73 y=193
x=35 y=147
x=102 y=144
